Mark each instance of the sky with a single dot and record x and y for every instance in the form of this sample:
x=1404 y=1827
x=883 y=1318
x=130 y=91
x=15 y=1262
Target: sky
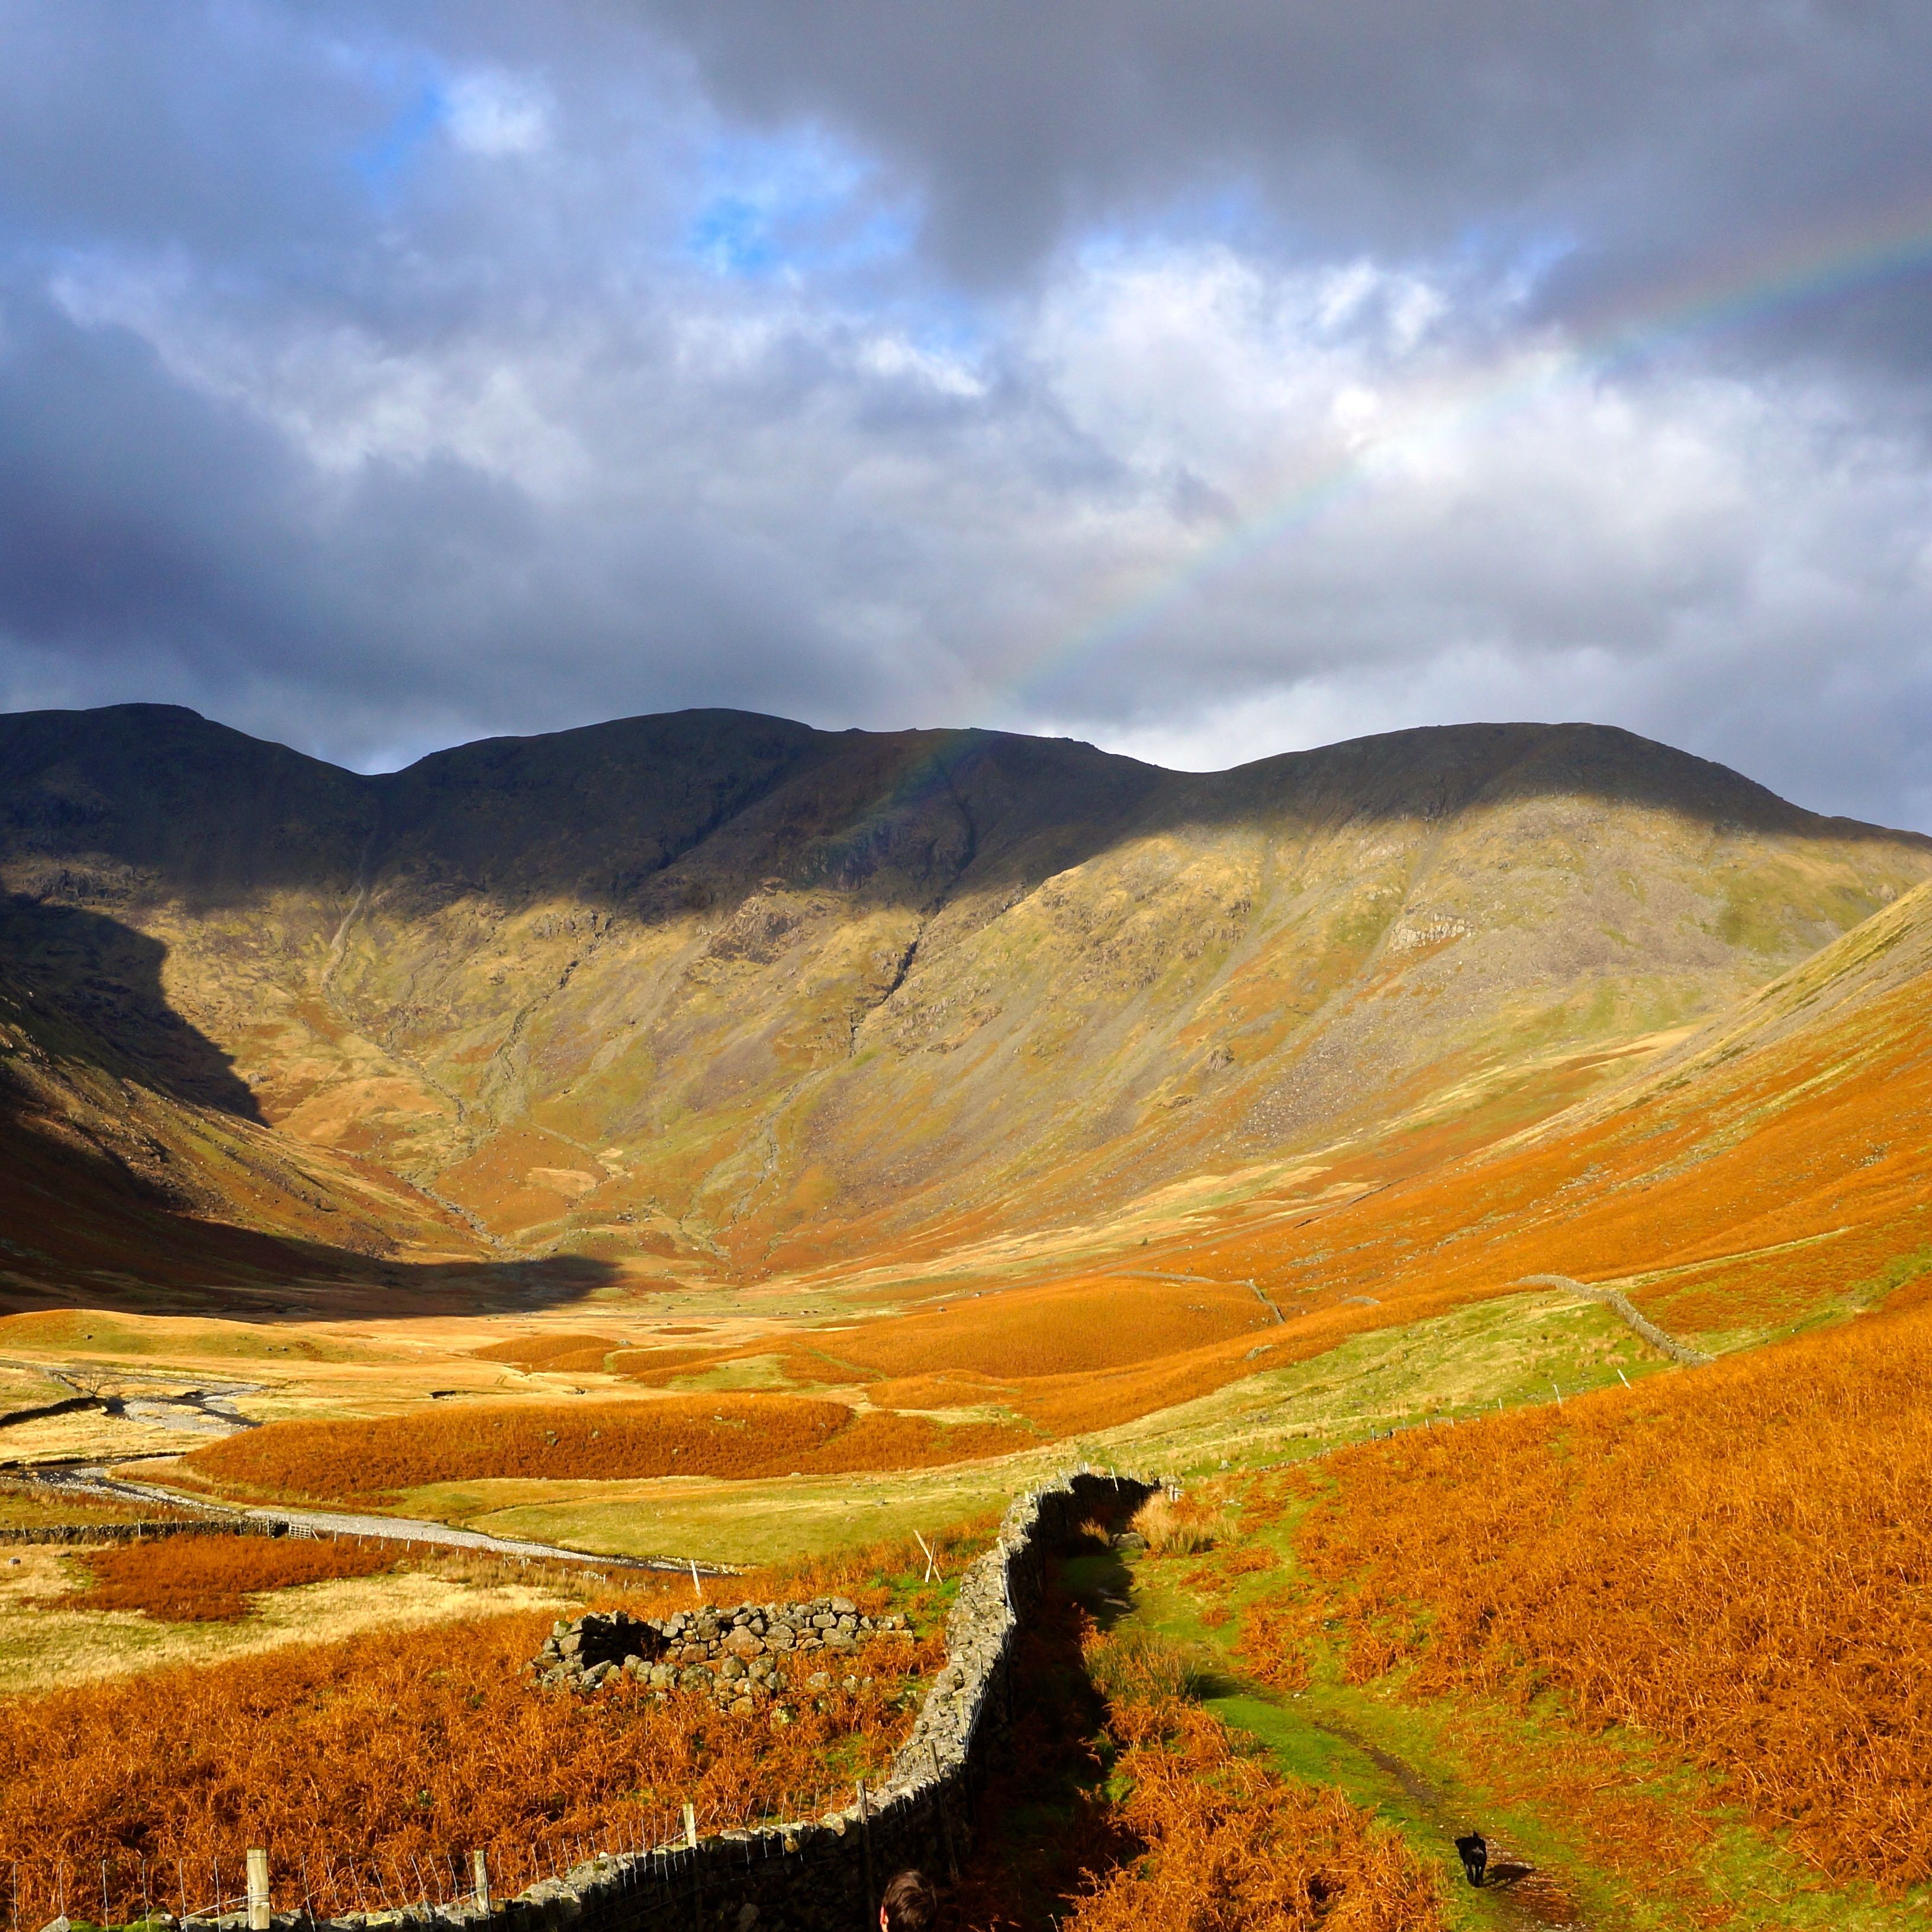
x=1205 y=381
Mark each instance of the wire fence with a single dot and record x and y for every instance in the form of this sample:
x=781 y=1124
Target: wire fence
x=127 y=1888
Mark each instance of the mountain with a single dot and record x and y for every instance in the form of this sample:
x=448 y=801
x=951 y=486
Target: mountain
x=1764 y=1174
x=107 y=1179
x=738 y=995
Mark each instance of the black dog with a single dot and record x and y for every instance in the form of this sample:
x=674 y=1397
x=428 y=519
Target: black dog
x=1475 y=1854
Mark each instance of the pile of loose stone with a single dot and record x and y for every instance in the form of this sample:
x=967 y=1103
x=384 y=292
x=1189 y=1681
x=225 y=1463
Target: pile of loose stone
x=736 y=1656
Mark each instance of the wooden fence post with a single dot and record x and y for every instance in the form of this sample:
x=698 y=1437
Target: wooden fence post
x=258 y=1889
x=479 y=1873
x=691 y=1844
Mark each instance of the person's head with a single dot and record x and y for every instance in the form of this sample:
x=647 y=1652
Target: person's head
x=908 y=1904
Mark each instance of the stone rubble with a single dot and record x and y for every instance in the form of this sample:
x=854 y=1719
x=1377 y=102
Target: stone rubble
x=739 y=1656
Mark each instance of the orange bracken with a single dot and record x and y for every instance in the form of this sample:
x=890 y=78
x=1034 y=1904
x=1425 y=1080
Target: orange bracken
x=370 y=1768
x=741 y=1435
x=1736 y=1558
x=209 y=1579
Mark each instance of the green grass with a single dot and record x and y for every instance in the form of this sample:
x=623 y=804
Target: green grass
x=749 y=1523
x=1514 y=1349
x=747 y=1372
x=90 y=1332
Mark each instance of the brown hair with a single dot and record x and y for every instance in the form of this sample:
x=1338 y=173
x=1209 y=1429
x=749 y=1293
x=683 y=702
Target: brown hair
x=909 y=1902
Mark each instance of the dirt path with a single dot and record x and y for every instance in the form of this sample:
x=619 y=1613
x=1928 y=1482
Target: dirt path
x=93 y=1480
x=1310 y=1739
x=1519 y=1893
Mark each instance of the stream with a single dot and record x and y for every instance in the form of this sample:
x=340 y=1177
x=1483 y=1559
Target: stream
x=211 y=1410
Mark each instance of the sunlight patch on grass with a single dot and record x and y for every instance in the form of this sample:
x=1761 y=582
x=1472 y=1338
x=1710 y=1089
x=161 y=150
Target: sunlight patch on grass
x=41 y=1646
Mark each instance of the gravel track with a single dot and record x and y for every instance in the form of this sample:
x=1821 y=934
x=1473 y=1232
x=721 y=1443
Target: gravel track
x=95 y=1481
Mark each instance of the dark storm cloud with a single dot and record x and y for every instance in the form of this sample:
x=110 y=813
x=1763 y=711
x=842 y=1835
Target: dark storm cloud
x=1203 y=380
x=150 y=533
x=1645 y=135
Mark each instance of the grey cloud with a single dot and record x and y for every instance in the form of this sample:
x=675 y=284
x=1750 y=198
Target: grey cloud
x=315 y=418
x=146 y=122
x=158 y=541
x=1647 y=137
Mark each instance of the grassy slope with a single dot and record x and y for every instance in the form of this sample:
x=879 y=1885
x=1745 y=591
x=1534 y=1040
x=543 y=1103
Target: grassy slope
x=1437 y=1769
x=1414 y=1314
x=1732 y=1121
x=1766 y=1178
x=1545 y=1744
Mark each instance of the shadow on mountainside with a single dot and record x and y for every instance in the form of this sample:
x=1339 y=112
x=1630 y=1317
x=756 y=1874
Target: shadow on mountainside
x=81 y=1225
x=132 y=1155
x=108 y=978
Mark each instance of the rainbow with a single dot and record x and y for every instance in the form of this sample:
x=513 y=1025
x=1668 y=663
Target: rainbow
x=1766 y=287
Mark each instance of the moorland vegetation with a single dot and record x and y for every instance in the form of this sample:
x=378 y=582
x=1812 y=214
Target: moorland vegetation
x=211 y=1578
x=1216 y=1836
x=373 y=1766
x=1738 y=1559
x=744 y=1436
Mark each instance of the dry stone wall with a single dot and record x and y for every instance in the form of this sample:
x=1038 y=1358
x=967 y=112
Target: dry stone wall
x=739 y=1656
x=813 y=1875
x=108 y=1532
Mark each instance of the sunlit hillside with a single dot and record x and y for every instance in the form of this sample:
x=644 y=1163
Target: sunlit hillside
x=1768 y=1171
x=738 y=997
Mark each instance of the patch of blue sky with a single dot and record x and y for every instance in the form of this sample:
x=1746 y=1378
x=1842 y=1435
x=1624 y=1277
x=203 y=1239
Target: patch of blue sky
x=382 y=163
x=733 y=236
x=769 y=206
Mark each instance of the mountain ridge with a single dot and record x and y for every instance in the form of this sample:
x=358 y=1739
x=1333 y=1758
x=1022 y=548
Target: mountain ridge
x=721 y=991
